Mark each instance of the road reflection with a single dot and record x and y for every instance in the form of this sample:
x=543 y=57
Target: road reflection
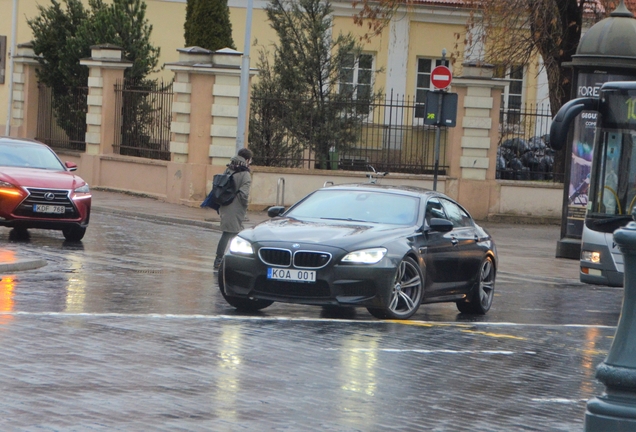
x=228 y=385
x=76 y=286
x=589 y=359
x=358 y=371
x=7 y=287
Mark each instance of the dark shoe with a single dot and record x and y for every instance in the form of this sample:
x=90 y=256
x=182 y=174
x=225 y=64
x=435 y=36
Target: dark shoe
x=217 y=263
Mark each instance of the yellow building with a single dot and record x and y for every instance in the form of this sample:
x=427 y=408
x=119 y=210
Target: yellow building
x=404 y=53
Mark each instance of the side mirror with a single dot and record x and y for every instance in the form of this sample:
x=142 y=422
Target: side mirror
x=275 y=211
x=71 y=166
x=441 y=225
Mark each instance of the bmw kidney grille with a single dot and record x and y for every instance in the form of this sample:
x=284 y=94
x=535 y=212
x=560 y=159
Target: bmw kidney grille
x=301 y=259
x=311 y=260
x=275 y=257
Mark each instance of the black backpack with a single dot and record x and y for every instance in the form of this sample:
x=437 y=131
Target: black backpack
x=223 y=192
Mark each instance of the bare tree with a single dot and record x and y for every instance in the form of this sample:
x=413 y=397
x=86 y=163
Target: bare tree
x=511 y=32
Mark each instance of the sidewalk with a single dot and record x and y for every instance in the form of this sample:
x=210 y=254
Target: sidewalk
x=522 y=249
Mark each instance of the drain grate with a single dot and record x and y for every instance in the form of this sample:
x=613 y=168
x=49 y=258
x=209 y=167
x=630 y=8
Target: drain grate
x=149 y=271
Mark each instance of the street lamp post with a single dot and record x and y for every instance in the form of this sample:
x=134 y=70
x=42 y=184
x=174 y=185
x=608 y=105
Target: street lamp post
x=245 y=75
x=615 y=410
x=14 y=27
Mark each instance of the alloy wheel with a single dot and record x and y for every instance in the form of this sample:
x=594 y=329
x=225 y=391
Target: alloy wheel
x=486 y=284
x=407 y=289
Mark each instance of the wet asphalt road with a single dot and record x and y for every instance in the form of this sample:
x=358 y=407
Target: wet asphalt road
x=134 y=266
x=128 y=331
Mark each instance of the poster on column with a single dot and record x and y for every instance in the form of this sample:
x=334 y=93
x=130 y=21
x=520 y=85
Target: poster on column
x=588 y=85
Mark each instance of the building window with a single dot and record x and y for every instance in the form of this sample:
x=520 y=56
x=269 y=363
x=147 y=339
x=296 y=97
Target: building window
x=3 y=57
x=423 y=84
x=356 y=76
x=511 y=97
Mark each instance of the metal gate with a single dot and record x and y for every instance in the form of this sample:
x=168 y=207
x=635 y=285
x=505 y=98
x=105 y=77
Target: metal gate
x=62 y=120
x=142 y=126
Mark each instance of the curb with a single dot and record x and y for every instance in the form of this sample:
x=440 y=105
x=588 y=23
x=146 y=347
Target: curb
x=156 y=218
x=523 y=219
x=21 y=265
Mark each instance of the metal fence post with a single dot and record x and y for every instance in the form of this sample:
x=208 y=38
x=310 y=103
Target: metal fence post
x=615 y=410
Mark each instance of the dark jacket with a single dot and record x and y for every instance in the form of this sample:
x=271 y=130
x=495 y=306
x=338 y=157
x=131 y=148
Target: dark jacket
x=233 y=214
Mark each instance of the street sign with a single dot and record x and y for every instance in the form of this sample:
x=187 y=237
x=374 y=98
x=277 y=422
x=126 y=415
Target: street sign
x=446 y=115
x=441 y=77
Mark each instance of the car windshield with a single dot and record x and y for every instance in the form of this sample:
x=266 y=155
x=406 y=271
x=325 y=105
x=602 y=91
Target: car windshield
x=28 y=156
x=358 y=206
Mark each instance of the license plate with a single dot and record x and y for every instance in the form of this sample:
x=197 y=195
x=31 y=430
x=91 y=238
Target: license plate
x=39 y=208
x=293 y=275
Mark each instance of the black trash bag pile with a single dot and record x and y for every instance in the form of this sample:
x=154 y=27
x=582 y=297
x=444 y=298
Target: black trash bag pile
x=520 y=159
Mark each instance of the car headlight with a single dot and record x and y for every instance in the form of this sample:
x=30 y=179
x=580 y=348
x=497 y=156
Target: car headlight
x=9 y=189
x=241 y=246
x=591 y=256
x=83 y=189
x=365 y=256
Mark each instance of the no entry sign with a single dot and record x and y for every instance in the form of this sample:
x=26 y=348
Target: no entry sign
x=441 y=77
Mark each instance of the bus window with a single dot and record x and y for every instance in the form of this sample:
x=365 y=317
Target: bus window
x=609 y=188
x=616 y=180
x=631 y=180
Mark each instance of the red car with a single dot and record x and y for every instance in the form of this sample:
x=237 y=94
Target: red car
x=37 y=190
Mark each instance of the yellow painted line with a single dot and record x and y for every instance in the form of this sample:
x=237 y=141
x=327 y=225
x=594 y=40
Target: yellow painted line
x=466 y=328
x=496 y=335
x=425 y=324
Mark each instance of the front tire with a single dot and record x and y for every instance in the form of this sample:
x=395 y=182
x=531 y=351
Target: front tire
x=480 y=298
x=74 y=233
x=19 y=234
x=242 y=304
x=406 y=292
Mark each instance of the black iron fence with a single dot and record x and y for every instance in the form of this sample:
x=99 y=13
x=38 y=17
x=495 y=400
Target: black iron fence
x=524 y=151
x=142 y=127
x=62 y=119
x=387 y=134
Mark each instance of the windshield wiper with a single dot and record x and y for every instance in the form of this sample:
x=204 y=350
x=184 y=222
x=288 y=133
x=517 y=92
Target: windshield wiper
x=345 y=219
x=610 y=220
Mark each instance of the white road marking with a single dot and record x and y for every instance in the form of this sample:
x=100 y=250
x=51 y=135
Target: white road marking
x=302 y=319
x=438 y=351
x=558 y=400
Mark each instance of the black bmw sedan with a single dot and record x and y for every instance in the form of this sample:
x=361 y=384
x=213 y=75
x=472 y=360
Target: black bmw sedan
x=386 y=248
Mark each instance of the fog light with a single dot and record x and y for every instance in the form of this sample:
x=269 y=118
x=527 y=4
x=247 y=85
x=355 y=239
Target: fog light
x=591 y=271
x=593 y=257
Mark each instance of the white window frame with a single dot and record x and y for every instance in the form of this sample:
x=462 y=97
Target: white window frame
x=507 y=95
x=356 y=75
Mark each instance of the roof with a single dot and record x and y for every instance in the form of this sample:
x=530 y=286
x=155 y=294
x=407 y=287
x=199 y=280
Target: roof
x=24 y=141
x=395 y=188
x=595 y=5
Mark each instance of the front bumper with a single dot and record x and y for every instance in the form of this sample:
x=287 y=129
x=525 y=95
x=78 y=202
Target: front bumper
x=16 y=215
x=600 y=276
x=336 y=285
